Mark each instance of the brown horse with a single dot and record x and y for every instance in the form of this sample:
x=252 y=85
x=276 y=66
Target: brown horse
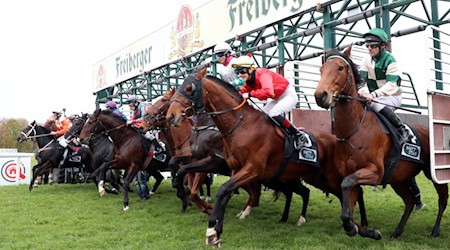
x=363 y=148
x=179 y=143
x=253 y=146
x=131 y=149
x=196 y=151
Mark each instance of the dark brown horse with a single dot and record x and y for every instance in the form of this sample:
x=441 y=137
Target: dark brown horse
x=253 y=146
x=50 y=152
x=196 y=150
x=131 y=149
x=363 y=148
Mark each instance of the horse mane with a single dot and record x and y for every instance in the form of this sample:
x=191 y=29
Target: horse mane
x=355 y=68
x=227 y=86
x=110 y=113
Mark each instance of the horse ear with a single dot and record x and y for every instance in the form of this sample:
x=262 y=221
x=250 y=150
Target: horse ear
x=201 y=73
x=97 y=112
x=347 y=51
x=172 y=91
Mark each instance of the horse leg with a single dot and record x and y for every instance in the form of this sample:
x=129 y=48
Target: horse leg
x=33 y=179
x=254 y=192
x=209 y=182
x=158 y=179
x=303 y=191
x=126 y=185
x=287 y=205
x=402 y=190
x=202 y=205
x=442 y=190
x=173 y=166
x=223 y=195
x=362 y=208
x=350 y=194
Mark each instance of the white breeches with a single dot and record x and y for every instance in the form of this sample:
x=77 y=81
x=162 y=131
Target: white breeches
x=393 y=100
x=284 y=104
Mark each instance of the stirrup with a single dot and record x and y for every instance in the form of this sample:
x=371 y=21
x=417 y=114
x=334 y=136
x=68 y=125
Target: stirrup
x=299 y=140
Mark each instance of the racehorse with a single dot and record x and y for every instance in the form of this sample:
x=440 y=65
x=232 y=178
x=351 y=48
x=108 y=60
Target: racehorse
x=363 y=149
x=50 y=152
x=102 y=150
x=180 y=139
x=131 y=149
x=253 y=147
x=207 y=144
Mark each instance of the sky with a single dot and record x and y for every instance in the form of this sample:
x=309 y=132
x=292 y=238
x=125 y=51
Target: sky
x=48 y=48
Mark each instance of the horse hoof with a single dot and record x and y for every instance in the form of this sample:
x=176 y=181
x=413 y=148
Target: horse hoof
x=211 y=238
x=102 y=193
x=352 y=232
x=239 y=214
x=125 y=209
x=377 y=235
x=301 y=221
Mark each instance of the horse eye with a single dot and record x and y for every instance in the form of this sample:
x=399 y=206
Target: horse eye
x=340 y=68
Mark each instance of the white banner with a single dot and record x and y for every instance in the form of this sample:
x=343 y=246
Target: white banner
x=12 y=173
x=192 y=31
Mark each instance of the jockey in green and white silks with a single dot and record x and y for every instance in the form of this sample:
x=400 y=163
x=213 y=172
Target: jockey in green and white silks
x=382 y=84
x=383 y=80
x=379 y=70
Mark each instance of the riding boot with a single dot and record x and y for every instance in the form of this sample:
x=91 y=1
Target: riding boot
x=405 y=136
x=415 y=192
x=299 y=137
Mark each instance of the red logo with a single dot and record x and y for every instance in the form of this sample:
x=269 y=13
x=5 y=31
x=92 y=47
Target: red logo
x=186 y=33
x=10 y=171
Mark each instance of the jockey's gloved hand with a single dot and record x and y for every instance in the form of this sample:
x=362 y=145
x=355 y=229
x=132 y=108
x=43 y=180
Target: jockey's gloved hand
x=246 y=95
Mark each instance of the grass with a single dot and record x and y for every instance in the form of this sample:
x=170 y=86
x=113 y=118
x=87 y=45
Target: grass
x=66 y=216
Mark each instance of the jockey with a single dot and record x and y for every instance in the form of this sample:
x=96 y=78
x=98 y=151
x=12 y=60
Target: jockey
x=111 y=105
x=138 y=109
x=63 y=124
x=382 y=76
x=264 y=84
x=379 y=70
x=224 y=54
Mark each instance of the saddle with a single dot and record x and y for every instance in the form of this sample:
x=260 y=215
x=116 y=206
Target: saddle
x=307 y=154
x=409 y=151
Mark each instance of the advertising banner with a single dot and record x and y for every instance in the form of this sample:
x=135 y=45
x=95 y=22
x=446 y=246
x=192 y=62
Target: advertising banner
x=193 y=30
x=15 y=168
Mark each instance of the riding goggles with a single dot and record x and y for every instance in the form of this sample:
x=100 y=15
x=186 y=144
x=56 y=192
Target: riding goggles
x=241 y=70
x=220 y=54
x=373 y=45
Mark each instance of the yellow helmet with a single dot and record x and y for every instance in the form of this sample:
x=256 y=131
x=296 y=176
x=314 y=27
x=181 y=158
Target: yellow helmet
x=243 y=62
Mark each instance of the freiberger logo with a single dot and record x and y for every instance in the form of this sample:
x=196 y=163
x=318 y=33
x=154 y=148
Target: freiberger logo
x=10 y=171
x=186 y=35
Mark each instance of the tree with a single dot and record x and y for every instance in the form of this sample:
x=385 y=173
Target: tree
x=10 y=130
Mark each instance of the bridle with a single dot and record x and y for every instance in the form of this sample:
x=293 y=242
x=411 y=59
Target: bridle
x=338 y=96
x=105 y=130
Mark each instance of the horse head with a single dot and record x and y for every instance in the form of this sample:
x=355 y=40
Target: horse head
x=188 y=100
x=156 y=113
x=339 y=77
x=77 y=126
x=91 y=127
x=28 y=132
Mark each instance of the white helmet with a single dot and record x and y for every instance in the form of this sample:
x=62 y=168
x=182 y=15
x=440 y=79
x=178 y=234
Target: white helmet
x=222 y=47
x=243 y=61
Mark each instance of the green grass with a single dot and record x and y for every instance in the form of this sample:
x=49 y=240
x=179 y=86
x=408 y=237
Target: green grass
x=67 y=216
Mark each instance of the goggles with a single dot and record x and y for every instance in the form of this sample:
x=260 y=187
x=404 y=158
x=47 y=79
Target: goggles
x=241 y=70
x=220 y=54
x=373 y=45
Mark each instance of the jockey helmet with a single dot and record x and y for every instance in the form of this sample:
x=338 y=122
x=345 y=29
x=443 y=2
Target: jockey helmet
x=132 y=99
x=111 y=105
x=243 y=62
x=222 y=48
x=376 y=36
